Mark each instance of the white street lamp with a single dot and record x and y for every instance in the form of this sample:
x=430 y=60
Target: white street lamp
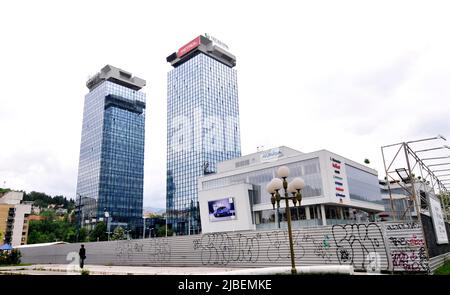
x=143 y=227
x=291 y=192
x=107 y=223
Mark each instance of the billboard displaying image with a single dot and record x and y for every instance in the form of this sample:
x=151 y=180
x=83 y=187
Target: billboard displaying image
x=222 y=209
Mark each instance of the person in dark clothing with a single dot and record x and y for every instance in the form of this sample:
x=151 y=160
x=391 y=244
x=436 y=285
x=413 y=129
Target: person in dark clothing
x=82 y=256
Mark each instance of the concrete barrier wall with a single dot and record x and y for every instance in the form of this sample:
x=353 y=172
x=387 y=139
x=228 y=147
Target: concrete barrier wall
x=367 y=247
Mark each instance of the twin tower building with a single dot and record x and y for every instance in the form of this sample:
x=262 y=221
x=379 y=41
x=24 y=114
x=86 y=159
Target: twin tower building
x=202 y=130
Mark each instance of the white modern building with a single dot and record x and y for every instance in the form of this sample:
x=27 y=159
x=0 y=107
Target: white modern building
x=398 y=198
x=338 y=190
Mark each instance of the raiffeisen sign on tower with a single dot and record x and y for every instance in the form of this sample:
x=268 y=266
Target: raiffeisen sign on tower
x=188 y=47
x=208 y=45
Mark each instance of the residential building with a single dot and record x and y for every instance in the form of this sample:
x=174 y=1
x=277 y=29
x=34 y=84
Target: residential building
x=111 y=165
x=60 y=211
x=14 y=218
x=337 y=191
x=202 y=124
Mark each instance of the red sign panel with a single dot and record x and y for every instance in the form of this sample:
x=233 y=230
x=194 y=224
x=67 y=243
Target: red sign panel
x=188 y=47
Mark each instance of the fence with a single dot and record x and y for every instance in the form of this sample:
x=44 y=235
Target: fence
x=366 y=246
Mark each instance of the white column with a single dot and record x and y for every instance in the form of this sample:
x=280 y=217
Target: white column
x=341 y=211
x=308 y=214
x=324 y=217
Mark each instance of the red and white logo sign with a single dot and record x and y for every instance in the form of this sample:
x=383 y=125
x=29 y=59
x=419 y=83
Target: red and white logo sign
x=188 y=47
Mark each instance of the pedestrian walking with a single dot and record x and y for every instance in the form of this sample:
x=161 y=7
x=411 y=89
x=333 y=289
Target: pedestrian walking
x=82 y=256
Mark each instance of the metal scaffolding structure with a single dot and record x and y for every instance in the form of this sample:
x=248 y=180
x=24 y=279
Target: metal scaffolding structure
x=409 y=171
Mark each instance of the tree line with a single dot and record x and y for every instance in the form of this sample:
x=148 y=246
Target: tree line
x=43 y=200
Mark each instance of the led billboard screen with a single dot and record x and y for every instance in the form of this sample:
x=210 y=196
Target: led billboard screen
x=222 y=209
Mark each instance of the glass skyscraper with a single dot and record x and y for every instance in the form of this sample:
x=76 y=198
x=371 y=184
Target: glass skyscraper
x=202 y=124
x=111 y=166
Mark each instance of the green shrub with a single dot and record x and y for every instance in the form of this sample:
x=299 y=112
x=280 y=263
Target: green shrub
x=84 y=272
x=10 y=257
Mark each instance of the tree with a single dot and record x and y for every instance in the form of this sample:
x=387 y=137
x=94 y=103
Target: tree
x=83 y=235
x=40 y=199
x=98 y=233
x=51 y=230
x=118 y=234
x=43 y=200
x=161 y=232
x=366 y=161
x=4 y=190
x=49 y=215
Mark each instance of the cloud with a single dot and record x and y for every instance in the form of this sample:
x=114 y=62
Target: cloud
x=343 y=76
x=37 y=170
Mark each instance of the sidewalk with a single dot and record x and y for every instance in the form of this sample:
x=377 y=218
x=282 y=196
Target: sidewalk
x=62 y=269
x=68 y=269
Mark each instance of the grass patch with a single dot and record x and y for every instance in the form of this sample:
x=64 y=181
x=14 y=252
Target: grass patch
x=443 y=270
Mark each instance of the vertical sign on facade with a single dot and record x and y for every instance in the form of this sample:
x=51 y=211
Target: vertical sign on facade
x=338 y=178
x=438 y=221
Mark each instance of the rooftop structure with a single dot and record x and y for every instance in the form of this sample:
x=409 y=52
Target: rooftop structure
x=116 y=75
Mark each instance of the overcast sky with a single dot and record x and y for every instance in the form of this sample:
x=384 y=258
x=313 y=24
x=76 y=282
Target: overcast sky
x=347 y=76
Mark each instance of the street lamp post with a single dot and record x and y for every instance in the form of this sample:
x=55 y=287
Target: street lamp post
x=143 y=228
x=291 y=192
x=107 y=223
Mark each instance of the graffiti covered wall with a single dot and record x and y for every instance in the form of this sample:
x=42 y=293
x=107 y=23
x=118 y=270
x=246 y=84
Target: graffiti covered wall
x=366 y=246
x=407 y=247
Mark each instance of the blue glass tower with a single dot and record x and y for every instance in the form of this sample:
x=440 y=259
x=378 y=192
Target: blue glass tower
x=202 y=124
x=111 y=166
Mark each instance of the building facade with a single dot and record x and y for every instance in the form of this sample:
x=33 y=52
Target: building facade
x=399 y=202
x=14 y=218
x=337 y=191
x=202 y=124
x=111 y=166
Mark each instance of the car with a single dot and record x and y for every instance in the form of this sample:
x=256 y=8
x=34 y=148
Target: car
x=222 y=212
